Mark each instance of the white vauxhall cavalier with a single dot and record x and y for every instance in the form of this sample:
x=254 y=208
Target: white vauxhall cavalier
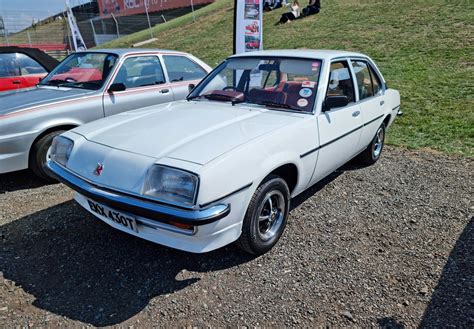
x=223 y=165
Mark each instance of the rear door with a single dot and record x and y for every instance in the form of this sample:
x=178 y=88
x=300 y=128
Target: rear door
x=371 y=99
x=182 y=71
x=340 y=128
x=10 y=77
x=145 y=84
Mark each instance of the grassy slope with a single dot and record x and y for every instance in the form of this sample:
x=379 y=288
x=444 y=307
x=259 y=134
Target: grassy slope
x=424 y=48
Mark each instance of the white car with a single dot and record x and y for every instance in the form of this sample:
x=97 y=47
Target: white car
x=223 y=165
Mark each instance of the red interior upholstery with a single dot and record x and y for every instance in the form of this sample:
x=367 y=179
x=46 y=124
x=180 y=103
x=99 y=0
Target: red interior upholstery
x=262 y=95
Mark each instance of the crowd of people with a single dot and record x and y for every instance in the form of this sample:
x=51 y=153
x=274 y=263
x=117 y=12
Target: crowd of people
x=295 y=10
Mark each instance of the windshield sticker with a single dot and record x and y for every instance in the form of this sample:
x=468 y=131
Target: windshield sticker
x=306 y=92
x=302 y=102
x=308 y=84
x=315 y=66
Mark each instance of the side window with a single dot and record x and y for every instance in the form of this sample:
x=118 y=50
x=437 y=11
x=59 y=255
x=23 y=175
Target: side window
x=181 y=68
x=364 y=81
x=29 y=65
x=140 y=71
x=340 y=81
x=375 y=81
x=9 y=66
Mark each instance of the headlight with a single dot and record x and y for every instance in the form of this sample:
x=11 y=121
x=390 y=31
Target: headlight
x=171 y=185
x=61 y=149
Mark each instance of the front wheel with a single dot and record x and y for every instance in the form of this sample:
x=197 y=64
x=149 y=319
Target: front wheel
x=266 y=216
x=373 y=152
x=41 y=153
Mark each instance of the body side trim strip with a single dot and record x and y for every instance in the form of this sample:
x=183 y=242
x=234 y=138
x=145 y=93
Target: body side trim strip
x=338 y=138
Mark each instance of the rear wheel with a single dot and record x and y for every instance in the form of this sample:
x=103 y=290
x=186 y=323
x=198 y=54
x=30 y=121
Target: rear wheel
x=373 y=152
x=266 y=216
x=41 y=153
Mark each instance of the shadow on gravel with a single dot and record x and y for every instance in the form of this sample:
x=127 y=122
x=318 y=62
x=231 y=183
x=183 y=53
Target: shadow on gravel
x=19 y=180
x=452 y=302
x=390 y=323
x=78 y=267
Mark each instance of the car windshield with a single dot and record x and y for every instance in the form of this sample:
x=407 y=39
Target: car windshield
x=82 y=70
x=276 y=83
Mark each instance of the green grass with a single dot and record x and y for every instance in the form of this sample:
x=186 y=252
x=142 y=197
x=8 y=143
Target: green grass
x=425 y=49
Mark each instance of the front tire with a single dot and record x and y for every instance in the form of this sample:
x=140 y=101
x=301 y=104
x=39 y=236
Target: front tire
x=266 y=216
x=373 y=152
x=40 y=154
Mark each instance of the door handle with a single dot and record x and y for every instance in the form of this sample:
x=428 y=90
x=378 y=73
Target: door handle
x=355 y=114
x=16 y=82
x=164 y=91
x=382 y=103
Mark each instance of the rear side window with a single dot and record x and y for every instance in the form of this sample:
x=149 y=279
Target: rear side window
x=376 y=83
x=29 y=65
x=368 y=82
x=340 y=81
x=364 y=80
x=9 y=65
x=181 y=68
x=140 y=71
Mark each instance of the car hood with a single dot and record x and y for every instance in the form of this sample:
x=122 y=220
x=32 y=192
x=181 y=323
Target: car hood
x=32 y=97
x=197 y=131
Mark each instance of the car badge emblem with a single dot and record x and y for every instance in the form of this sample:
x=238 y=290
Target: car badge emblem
x=98 y=170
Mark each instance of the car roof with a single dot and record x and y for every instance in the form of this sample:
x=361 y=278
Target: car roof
x=44 y=59
x=128 y=51
x=323 y=54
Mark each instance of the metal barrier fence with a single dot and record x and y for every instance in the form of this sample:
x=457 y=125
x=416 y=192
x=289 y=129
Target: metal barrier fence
x=52 y=34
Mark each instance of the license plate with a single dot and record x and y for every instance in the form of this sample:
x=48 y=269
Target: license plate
x=113 y=215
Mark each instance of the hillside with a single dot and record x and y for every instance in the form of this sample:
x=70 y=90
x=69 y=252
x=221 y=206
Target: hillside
x=424 y=48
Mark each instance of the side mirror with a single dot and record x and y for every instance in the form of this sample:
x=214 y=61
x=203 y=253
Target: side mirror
x=191 y=87
x=335 y=101
x=116 y=87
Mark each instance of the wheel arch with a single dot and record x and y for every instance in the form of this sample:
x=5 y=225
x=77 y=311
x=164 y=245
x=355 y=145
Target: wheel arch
x=288 y=172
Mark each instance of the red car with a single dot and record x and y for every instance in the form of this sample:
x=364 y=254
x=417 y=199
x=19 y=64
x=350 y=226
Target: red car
x=23 y=67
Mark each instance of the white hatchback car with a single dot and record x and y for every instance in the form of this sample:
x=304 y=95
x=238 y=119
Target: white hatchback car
x=223 y=165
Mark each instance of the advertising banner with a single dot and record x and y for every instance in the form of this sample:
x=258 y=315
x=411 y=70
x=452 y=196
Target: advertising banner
x=133 y=7
x=248 y=24
x=79 y=44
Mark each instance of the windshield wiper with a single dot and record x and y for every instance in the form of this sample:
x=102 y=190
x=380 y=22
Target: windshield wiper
x=225 y=98
x=190 y=98
x=54 y=82
x=274 y=104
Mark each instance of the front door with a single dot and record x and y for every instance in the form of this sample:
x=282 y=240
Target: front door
x=145 y=85
x=339 y=128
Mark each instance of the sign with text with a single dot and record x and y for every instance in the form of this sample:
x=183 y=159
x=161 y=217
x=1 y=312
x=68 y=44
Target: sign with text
x=133 y=7
x=248 y=24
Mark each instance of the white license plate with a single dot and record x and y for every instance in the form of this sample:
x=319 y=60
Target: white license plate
x=113 y=215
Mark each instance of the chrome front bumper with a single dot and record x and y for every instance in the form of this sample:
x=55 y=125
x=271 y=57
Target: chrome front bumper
x=141 y=207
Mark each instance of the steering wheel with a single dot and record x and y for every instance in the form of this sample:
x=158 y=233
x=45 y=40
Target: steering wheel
x=230 y=88
x=69 y=79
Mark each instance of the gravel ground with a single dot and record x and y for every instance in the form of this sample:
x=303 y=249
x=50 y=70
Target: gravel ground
x=389 y=245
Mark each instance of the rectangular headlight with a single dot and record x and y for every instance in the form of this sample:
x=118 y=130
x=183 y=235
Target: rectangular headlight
x=171 y=185
x=61 y=149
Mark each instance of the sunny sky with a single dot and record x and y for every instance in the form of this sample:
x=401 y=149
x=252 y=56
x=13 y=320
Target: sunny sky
x=18 y=14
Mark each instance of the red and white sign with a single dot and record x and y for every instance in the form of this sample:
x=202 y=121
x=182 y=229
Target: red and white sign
x=133 y=7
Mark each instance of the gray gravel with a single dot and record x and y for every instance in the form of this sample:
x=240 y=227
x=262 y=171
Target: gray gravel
x=389 y=245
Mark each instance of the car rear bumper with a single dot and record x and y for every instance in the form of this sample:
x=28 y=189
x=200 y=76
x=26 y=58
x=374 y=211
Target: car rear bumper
x=140 y=207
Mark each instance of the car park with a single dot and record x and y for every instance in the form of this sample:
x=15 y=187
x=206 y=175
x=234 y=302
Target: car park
x=23 y=67
x=223 y=165
x=88 y=86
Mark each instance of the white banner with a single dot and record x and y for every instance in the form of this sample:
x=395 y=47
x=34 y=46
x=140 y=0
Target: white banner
x=248 y=25
x=79 y=44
